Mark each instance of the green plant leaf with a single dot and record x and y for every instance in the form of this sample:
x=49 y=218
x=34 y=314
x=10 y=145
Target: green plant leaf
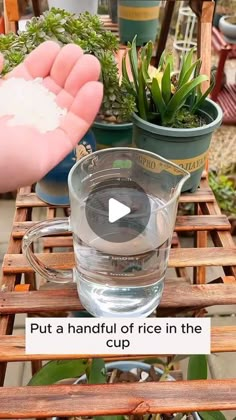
x=202 y=97
x=157 y=97
x=124 y=69
x=190 y=71
x=142 y=99
x=195 y=92
x=128 y=83
x=149 y=49
x=133 y=57
x=162 y=60
x=197 y=367
x=57 y=370
x=180 y=96
x=211 y=415
x=146 y=76
x=97 y=374
x=166 y=84
x=187 y=61
x=169 y=60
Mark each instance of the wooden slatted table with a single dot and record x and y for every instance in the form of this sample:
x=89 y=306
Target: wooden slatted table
x=185 y=292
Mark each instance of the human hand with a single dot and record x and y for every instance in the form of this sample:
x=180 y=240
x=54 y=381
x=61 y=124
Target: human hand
x=26 y=154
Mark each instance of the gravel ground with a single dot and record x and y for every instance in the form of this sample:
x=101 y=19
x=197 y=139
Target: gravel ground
x=223 y=147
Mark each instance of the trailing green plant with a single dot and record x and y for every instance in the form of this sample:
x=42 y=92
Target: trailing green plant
x=89 y=33
x=223 y=184
x=162 y=96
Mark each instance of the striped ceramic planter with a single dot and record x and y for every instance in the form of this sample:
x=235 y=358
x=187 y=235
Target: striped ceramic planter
x=138 y=17
x=75 y=6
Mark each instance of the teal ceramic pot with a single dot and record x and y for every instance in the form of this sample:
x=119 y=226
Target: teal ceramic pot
x=112 y=135
x=138 y=17
x=53 y=188
x=186 y=147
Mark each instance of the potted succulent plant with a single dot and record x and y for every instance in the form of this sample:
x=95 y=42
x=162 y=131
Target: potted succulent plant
x=113 y=126
x=174 y=118
x=76 y=6
x=96 y=371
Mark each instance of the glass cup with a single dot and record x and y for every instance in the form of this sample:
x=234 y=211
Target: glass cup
x=123 y=208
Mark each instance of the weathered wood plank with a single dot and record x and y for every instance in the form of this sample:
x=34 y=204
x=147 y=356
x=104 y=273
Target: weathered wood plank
x=66 y=299
x=12 y=349
x=201 y=195
x=179 y=257
x=135 y=398
x=8 y=282
x=183 y=223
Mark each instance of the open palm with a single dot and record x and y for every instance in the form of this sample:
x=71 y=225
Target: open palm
x=26 y=154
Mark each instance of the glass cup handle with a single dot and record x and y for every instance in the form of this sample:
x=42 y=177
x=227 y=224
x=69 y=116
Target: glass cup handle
x=46 y=228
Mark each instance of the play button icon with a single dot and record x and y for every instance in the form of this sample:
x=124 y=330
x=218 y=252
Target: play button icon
x=117 y=210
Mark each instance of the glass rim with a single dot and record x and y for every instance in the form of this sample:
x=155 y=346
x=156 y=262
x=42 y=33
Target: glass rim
x=185 y=174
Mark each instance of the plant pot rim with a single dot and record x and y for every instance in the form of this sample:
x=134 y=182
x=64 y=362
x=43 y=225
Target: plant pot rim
x=225 y=17
x=127 y=365
x=183 y=132
x=112 y=126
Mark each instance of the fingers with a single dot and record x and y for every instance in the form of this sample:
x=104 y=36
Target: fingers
x=88 y=101
x=64 y=63
x=85 y=70
x=40 y=61
x=83 y=111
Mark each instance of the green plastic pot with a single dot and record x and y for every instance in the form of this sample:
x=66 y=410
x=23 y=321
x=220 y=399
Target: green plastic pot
x=186 y=147
x=138 y=17
x=112 y=135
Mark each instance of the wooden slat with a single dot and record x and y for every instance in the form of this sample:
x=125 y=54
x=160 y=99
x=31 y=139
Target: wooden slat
x=12 y=349
x=183 y=223
x=58 y=242
x=67 y=299
x=8 y=283
x=135 y=398
x=12 y=10
x=179 y=257
x=201 y=195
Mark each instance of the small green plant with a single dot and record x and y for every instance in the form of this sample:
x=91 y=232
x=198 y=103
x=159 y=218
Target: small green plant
x=162 y=96
x=89 y=33
x=223 y=185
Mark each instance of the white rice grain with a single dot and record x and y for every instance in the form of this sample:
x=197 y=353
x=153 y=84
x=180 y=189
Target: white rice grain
x=30 y=103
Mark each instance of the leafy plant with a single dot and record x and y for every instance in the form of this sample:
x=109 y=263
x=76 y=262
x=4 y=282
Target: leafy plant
x=89 y=33
x=163 y=97
x=57 y=370
x=223 y=185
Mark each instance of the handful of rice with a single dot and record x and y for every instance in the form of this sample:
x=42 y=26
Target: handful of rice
x=30 y=103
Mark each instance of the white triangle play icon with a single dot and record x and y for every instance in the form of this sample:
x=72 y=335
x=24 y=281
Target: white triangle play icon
x=117 y=210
